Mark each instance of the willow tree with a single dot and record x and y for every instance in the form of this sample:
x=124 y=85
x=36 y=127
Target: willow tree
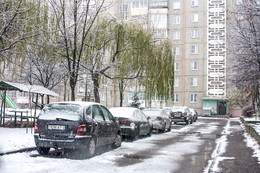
x=114 y=51
x=159 y=71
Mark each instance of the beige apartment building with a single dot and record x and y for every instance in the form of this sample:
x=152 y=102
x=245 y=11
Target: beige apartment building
x=198 y=31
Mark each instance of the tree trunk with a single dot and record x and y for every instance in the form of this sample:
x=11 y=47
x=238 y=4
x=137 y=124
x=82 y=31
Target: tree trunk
x=95 y=78
x=121 y=91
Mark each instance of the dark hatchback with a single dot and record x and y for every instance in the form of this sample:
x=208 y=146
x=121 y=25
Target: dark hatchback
x=79 y=126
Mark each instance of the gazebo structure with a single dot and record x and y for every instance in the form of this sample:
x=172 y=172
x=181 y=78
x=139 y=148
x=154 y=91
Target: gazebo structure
x=35 y=89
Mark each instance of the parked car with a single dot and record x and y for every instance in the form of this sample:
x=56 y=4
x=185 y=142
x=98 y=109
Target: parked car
x=132 y=121
x=160 y=119
x=76 y=125
x=194 y=115
x=167 y=110
x=181 y=114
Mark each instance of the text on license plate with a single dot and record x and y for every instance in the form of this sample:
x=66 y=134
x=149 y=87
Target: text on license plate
x=56 y=127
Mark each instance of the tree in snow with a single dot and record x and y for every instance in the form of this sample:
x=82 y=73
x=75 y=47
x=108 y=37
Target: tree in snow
x=16 y=26
x=244 y=41
x=74 y=20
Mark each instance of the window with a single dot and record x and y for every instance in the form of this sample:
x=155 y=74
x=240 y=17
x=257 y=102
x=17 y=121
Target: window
x=194 y=65
x=176 y=35
x=194 y=3
x=139 y=3
x=176 y=20
x=194 y=17
x=176 y=82
x=194 y=49
x=194 y=81
x=239 y=2
x=176 y=66
x=107 y=114
x=175 y=97
x=176 y=4
x=193 y=98
x=97 y=114
x=176 y=51
x=194 y=33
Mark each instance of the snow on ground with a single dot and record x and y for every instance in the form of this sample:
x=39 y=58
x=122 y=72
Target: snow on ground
x=15 y=138
x=168 y=159
x=252 y=143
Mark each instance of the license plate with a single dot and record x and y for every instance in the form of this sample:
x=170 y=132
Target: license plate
x=177 y=115
x=56 y=127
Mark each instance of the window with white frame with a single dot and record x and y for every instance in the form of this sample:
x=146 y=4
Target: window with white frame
x=139 y=3
x=193 y=98
x=176 y=35
x=194 y=33
x=176 y=82
x=194 y=65
x=194 y=49
x=239 y=2
x=176 y=19
x=194 y=81
x=175 y=97
x=194 y=17
x=176 y=51
x=177 y=4
x=194 y=3
x=176 y=66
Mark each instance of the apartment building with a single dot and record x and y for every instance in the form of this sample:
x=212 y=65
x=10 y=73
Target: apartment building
x=198 y=31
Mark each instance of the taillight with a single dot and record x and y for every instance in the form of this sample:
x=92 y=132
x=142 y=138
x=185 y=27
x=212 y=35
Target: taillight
x=81 y=130
x=36 y=128
x=185 y=113
x=125 y=122
x=159 y=118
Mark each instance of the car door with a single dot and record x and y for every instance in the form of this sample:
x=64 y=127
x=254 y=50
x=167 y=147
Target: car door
x=99 y=125
x=111 y=125
x=146 y=124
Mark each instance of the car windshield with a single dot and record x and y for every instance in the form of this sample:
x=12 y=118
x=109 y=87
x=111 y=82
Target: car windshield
x=65 y=111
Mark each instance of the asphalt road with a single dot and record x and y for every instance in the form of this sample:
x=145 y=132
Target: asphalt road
x=209 y=145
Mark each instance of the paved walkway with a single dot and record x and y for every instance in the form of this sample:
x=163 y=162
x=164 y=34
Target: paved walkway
x=242 y=161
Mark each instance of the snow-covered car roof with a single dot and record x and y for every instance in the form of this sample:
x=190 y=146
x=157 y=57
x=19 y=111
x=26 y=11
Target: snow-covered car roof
x=125 y=112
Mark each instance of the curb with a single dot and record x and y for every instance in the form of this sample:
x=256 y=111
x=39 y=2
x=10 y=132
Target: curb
x=18 y=151
x=250 y=129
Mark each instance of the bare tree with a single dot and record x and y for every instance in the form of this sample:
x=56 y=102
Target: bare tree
x=74 y=20
x=245 y=47
x=15 y=25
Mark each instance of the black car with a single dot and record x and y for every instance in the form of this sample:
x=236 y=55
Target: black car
x=76 y=125
x=181 y=114
x=132 y=121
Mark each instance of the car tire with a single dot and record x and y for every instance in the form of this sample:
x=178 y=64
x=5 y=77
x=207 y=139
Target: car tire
x=169 y=129
x=187 y=122
x=118 y=141
x=136 y=135
x=43 y=150
x=91 y=149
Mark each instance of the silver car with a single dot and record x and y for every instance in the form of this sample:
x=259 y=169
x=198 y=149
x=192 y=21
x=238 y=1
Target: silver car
x=160 y=119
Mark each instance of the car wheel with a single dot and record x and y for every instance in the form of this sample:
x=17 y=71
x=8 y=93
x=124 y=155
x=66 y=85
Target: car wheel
x=169 y=129
x=43 y=150
x=118 y=141
x=187 y=122
x=136 y=135
x=91 y=150
x=191 y=121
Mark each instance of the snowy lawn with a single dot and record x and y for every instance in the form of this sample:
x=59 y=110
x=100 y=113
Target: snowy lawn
x=13 y=139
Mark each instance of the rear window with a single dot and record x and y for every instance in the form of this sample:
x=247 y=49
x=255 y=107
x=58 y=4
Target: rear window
x=60 y=110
